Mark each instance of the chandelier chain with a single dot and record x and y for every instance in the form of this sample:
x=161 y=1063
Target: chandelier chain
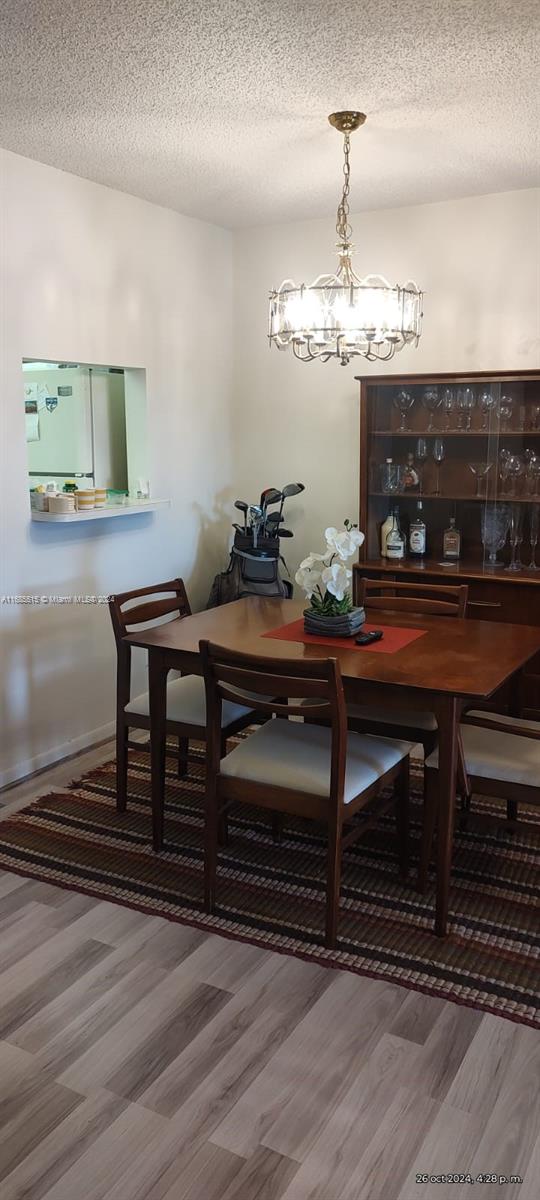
x=343 y=228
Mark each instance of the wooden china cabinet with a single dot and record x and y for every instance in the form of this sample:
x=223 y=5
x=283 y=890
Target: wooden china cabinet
x=475 y=446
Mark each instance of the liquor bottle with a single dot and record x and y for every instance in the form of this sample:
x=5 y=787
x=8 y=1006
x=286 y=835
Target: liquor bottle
x=385 y=530
x=452 y=542
x=395 y=542
x=411 y=478
x=417 y=533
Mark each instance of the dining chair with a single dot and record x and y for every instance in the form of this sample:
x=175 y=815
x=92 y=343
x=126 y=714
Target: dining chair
x=186 y=700
x=323 y=773
x=411 y=599
x=502 y=759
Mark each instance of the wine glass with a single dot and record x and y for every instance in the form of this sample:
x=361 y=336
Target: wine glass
x=486 y=404
x=449 y=405
x=438 y=455
x=495 y=523
x=514 y=470
x=535 y=418
x=516 y=537
x=431 y=401
x=480 y=471
x=403 y=401
x=534 y=514
x=532 y=477
x=504 y=455
x=466 y=403
x=505 y=410
x=421 y=454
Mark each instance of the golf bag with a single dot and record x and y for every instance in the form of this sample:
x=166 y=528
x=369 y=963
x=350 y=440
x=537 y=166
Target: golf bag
x=252 y=571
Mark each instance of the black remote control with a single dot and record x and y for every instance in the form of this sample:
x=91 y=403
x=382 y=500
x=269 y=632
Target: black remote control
x=365 y=639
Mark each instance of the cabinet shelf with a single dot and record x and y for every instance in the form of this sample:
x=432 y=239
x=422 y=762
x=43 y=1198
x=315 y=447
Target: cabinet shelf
x=455 y=433
x=464 y=569
x=477 y=499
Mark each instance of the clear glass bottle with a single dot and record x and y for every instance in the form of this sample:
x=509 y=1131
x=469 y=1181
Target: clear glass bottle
x=385 y=530
x=417 y=533
x=452 y=542
x=395 y=542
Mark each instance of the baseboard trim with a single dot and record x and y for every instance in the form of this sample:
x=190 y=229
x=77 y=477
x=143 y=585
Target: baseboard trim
x=49 y=758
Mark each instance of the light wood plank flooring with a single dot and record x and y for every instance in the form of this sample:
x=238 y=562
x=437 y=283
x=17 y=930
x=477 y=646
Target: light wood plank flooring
x=143 y=1060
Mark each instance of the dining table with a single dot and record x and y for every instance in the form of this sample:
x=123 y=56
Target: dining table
x=441 y=666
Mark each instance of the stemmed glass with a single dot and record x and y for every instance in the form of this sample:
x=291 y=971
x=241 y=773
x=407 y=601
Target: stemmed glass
x=466 y=401
x=534 y=514
x=504 y=455
x=495 y=523
x=533 y=477
x=403 y=401
x=535 y=418
x=516 y=537
x=480 y=472
x=514 y=470
x=438 y=455
x=421 y=454
x=449 y=405
x=506 y=408
x=432 y=401
x=486 y=403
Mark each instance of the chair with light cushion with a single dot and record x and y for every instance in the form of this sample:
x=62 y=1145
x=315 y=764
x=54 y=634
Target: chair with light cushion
x=186 y=700
x=410 y=599
x=306 y=770
x=502 y=759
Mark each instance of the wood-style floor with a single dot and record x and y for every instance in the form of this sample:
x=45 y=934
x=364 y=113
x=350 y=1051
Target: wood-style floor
x=143 y=1060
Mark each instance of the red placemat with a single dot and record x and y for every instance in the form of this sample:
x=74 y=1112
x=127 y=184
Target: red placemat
x=395 y=637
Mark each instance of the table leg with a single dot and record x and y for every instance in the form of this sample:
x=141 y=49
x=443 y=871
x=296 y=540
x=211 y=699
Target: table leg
x=447 y=717
x=157 y=679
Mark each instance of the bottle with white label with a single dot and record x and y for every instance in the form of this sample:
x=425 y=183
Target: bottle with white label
x=395 y=542
x=385 y=530
x=417 y=533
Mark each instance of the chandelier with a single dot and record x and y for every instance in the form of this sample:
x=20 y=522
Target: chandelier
x=340 y=316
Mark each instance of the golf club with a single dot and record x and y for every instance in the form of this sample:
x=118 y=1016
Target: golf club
x=269 y=496
x=285 y=533
x=290 y=489
x=255 y=518
x=243 y=508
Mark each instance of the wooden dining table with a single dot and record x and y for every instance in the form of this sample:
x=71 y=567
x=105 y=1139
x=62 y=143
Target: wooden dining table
x=455 y=662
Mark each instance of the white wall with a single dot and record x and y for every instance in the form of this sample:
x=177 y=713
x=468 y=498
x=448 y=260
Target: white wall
x=92 y=275
x=478 y=261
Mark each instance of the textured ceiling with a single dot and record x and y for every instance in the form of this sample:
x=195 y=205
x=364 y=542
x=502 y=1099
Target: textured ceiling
x=219 y=109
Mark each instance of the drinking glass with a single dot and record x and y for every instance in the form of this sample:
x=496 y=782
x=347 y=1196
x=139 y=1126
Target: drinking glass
x=516 y=536
x=421 y=454
x=480 y=472
x=486 y=404
x=534 y=514
x=449 y=405
x=532 y=477
x=503 y=465
x=495 y=524
x=403 y=401
x=431 y=401
x=466 y=403
x=505 y=410
x=438 y=455
x=535 y=418
x=515 y=468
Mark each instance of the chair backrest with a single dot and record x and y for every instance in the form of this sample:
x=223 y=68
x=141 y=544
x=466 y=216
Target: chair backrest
x=282 y=684
x=126 y=618
x=443 y=600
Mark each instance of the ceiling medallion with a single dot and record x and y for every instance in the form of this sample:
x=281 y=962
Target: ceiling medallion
x=341 y=316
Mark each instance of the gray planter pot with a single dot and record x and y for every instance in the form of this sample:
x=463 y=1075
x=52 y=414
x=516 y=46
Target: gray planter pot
x=346 y=625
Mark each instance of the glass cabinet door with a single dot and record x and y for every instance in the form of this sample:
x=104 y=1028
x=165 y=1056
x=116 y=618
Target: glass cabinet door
x=469 y=452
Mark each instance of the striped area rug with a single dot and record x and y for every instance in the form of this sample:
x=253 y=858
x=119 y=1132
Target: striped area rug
x=273 y=895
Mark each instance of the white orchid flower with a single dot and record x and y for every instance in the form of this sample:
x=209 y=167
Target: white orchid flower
x=313 y=562
x=343 y=542
x=308 y=579
x=336 y=579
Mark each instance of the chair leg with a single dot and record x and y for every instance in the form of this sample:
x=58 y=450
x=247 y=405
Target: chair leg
x=463 y=786
x=333 y=881
x=183 y=747
x=223 y=820
x=512 y=810
x=210 y=851
x=402 y=816
x=122 y=735
x=428 y=828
